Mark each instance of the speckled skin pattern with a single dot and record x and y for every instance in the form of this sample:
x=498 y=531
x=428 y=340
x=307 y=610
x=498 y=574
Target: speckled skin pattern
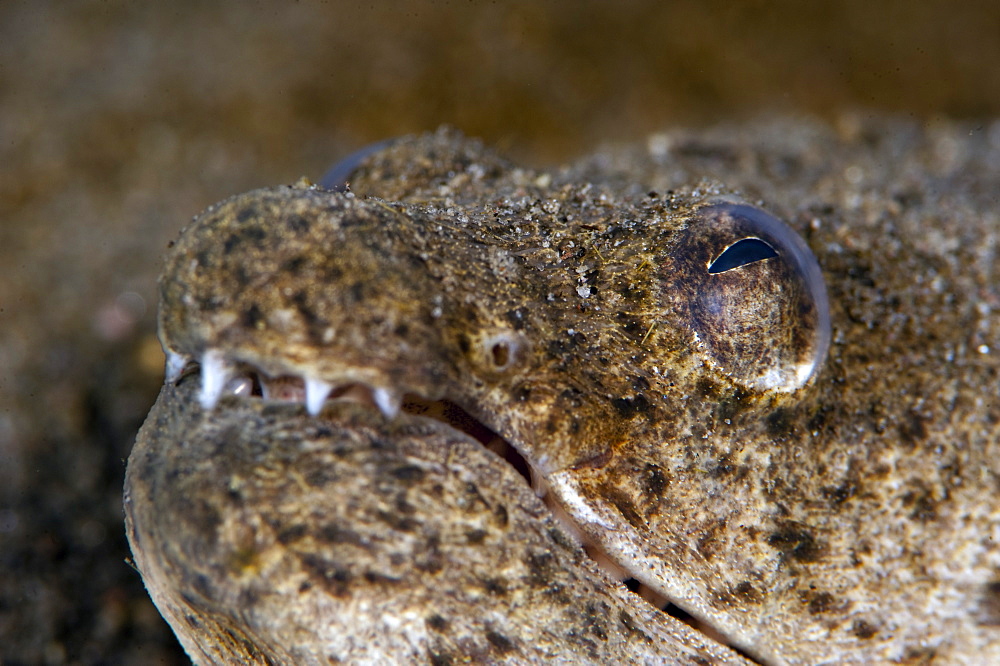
x=852 y=520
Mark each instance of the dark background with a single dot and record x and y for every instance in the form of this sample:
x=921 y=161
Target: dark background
x=118 y=121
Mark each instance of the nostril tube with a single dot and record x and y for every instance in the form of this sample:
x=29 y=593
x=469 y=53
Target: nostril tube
x=501 y=351
x=501 y=355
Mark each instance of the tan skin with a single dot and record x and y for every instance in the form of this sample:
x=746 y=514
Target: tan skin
x=803 y=505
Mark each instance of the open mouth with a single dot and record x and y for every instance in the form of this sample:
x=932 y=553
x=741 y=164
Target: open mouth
x=221 y=377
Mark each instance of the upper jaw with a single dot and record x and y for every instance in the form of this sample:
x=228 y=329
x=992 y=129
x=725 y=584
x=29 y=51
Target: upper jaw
x=309 y=293
x=225 y=373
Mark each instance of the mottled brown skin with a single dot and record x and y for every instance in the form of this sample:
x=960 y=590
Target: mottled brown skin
x=853 y=520
x=265 y=537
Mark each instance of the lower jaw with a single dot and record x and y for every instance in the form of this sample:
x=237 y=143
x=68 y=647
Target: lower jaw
x=250 y=384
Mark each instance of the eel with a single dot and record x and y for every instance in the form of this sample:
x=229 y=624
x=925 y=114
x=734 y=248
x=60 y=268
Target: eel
x=454 y=409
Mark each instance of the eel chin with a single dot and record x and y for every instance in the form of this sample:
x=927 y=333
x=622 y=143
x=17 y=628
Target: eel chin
x=218 y=378
x=268 y=534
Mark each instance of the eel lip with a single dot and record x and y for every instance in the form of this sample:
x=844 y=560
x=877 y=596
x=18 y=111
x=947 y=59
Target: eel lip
x=222 y=376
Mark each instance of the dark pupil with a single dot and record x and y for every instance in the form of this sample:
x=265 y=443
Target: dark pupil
x=742 y=253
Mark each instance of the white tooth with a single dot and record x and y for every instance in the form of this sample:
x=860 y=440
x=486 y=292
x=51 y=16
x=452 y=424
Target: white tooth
x=316 y=392
x=387 y=401
x=175 y=366
x=538 y=483
x=241 y=386
x=215 y=374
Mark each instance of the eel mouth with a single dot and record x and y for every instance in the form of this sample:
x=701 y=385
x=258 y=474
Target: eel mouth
x=221 y=377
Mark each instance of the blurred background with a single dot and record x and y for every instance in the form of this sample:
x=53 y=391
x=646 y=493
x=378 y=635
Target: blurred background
x=119 y=120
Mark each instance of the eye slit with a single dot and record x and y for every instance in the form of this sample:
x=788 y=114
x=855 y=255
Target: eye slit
x=336 y=179
x=742 y=252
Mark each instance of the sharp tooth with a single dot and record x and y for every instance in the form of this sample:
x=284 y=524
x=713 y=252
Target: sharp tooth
x=316 y=393
x=538 y=483
x=175 y=366
x=387 y=401
x=215 y=374
x=242 y=386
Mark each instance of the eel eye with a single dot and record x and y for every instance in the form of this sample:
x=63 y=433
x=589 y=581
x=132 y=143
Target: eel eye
x=338 y=176
x=751 y=294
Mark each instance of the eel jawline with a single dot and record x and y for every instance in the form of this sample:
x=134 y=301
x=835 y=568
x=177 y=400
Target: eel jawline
x=222 y=376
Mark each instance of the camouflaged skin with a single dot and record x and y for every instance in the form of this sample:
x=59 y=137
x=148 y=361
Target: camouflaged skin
x=854 y=520
x=268 y=538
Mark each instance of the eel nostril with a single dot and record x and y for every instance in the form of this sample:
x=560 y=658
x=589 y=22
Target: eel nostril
x=501 y=355
x=500 y=350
